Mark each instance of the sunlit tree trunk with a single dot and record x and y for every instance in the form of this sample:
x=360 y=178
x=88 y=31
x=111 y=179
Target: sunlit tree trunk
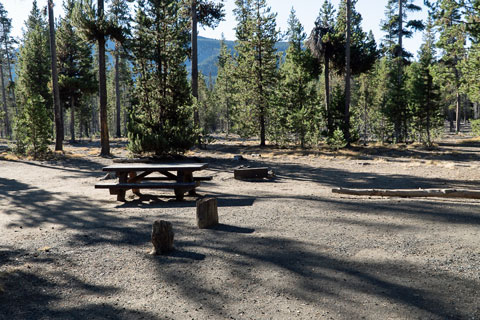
x=56 y=92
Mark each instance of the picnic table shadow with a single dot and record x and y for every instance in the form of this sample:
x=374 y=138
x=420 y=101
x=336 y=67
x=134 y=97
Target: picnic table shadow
x=149 y=201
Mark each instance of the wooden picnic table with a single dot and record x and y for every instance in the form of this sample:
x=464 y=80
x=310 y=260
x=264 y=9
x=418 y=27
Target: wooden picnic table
x=176 y=176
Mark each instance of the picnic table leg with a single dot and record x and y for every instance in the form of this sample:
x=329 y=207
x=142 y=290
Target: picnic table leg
x=122 y=178
x=180 y=193
x=131 y=175
x=188 y=177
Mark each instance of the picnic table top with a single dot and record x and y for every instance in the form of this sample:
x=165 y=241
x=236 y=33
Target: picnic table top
x=127 y=167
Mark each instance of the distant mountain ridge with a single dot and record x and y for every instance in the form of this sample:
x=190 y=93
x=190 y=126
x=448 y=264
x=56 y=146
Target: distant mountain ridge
x=208 y=51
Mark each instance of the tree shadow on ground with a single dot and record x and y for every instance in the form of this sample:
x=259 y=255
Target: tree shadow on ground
x=312 y=275
x=148 y=201
x=28 y=293
x=94 y=224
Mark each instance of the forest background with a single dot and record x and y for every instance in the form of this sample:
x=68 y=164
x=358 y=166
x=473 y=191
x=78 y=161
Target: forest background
x=334 y=84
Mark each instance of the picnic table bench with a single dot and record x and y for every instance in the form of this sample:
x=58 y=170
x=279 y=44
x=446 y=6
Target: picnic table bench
x=132 y=176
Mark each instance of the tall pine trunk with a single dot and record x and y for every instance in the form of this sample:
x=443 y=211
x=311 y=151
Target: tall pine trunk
x=56 y=93
x=117 y=87
x=8 y=130
x=346 y=131
x=196 y=116
x=9 y=64
x=72 y=119
x=102 y=88
x=327 y=95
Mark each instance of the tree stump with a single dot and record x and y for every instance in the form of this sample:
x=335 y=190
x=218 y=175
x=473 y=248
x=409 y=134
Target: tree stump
x=207 y=213
x=162 y=237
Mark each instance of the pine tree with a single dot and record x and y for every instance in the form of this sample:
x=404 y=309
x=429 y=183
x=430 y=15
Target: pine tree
x=470 y=65
x=256 y=63
x=6 y=49
x=224 y=87
x=75 y=66
x=8 y=52
x=161 y=115
x=297 y=90
x=448 y=17
x=423 y=93
x=33 y=127
x=120 y=17
x=358 y=56
x=397 y=26
x=208 y=14
x=95 y=27
x=35 y=98
x=324 y=45
x=59 y=134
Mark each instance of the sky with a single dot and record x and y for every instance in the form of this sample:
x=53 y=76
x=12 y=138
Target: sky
x=372 y=12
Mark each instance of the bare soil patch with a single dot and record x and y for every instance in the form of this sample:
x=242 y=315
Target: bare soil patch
x=287 y=248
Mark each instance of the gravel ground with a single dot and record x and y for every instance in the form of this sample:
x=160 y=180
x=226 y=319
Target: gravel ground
x=286 y=248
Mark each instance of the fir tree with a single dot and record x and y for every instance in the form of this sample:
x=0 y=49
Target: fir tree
x=161 y=116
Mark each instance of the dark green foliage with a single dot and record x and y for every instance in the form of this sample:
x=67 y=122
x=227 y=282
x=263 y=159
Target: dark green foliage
x=449 y=21
x=363 y=46
x=75 y=69
x=224 y=87
x=33 y=67
x=35 y=98
x=161 y=115
x=397 y=27
x=297 y=106
x=32 y=128
x=475 y=127
x=324 y=45
x=423 y=93
x=256 y=66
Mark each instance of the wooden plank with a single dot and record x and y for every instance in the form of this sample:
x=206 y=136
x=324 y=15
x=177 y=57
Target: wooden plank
x=169 y=179
x=127 y=167
x=148 y=185
x=250 y=173
x=410 y=193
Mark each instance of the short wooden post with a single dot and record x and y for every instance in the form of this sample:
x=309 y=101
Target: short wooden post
x=162 y=237
x=207 y=213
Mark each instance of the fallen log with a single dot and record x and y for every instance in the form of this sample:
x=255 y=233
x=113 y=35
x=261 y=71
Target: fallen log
x=411 y=193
